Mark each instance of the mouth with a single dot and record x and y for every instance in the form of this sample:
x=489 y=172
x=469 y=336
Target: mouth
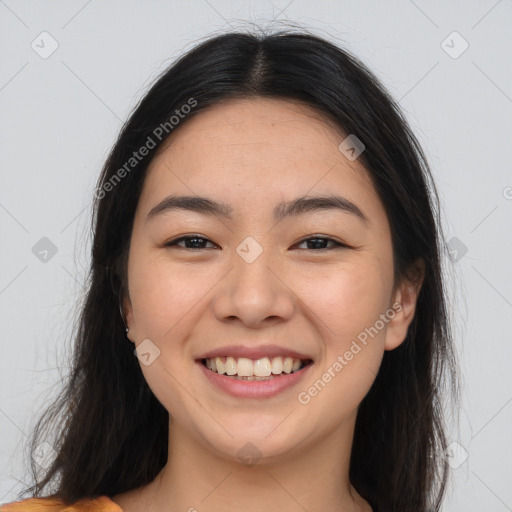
x=263 y=369
x=249 y=383
x=254 y=371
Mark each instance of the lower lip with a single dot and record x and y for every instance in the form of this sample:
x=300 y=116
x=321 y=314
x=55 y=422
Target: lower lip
x=255 y=388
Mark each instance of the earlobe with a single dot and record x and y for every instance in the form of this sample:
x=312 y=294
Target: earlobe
x=406 y=295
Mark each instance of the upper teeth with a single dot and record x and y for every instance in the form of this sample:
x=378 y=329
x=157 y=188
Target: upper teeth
x=244 y=367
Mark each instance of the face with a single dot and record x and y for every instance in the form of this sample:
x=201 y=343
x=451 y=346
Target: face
x=313 y=281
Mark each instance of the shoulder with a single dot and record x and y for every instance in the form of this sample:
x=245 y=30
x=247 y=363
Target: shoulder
x=101 y=504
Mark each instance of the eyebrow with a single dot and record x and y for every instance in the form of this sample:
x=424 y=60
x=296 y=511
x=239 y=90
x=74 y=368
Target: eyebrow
x=298 y=206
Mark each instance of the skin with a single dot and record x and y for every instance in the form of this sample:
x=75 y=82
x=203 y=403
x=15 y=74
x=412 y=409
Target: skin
x=252 y=154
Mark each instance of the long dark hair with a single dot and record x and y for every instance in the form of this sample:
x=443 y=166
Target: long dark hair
x=109 y=431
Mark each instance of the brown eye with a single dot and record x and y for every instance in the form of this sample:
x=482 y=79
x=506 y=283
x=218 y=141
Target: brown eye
x=196 y=242
x=319 y=242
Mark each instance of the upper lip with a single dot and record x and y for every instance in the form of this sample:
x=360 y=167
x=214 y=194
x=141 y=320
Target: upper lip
x=252 y=352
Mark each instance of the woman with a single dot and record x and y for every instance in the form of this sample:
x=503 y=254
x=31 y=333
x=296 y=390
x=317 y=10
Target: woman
x=265 y=325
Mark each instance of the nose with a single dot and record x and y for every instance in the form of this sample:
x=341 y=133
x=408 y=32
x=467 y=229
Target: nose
x=254 y=294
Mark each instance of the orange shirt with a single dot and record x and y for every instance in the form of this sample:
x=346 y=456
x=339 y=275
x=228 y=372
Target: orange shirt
x=101 y=504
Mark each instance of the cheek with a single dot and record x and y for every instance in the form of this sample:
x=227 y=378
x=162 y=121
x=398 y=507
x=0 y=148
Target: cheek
x=355 y=345
x=348 y=301
x=164 y=299
x=163 y=295
x=349 y=306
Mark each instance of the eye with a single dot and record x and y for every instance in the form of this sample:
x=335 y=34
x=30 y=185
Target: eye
x=195 y=240
x=318 y=240
x=199 y=240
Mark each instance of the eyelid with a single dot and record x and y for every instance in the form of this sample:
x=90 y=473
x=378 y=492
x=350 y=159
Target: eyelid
x=174 y=241
x=337 y=243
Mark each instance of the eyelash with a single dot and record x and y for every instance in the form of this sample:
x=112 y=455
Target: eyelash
x=186 y=238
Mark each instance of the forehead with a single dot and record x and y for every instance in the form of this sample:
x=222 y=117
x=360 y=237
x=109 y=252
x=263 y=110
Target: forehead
x=274 y=129
x=233 y=116
x=256 y=132
x=264 y=149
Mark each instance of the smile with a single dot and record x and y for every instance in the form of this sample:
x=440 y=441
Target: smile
x=261 y=378
x=263 y=367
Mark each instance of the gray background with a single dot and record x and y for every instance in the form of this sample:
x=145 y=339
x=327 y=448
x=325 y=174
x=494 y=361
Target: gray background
x=60 y=115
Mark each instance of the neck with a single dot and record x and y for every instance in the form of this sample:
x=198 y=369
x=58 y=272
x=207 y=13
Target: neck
x=312 y=477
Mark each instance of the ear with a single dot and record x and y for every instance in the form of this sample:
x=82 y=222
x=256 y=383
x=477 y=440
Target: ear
x=128 y=316
x=403 y=303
